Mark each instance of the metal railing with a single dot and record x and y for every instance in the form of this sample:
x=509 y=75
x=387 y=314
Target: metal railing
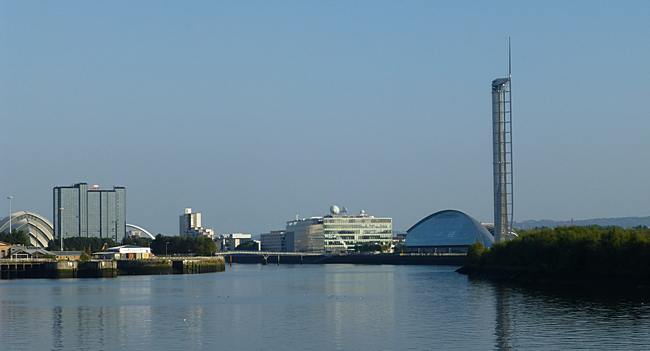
x=27 y=260
x=270 y=253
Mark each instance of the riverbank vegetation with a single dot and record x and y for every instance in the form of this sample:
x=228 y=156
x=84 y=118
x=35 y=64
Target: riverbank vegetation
x=177 y=245
x=567 y=252
x=17 y=237
x=88 y=245
x=162 y=245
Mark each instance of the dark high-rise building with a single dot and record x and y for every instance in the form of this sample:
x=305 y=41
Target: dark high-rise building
x=83 y=211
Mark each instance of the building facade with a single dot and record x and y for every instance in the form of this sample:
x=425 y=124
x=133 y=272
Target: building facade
x=306 y=234
x=277 y=241
x=5 y=249
x=190 y=225
x=83 y=211
x=124 y=252
x=345 y=232
x=229 y=242
x=339 y=232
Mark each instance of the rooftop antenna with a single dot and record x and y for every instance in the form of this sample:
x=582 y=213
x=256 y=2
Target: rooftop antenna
x=509 y=60
x=512 y=190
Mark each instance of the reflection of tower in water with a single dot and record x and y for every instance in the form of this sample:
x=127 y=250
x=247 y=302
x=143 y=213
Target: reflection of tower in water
x=57 y=328
x=503 y=324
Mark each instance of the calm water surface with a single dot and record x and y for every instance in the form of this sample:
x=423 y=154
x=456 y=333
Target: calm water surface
x=311 y=307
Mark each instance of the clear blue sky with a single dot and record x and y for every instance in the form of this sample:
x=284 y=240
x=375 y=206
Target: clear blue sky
x=251 y=111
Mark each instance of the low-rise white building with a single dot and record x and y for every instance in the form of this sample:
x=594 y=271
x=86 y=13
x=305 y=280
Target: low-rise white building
x=229 y=242
x=124 y=252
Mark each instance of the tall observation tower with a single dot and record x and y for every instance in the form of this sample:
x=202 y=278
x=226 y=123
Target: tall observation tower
x=502 y=154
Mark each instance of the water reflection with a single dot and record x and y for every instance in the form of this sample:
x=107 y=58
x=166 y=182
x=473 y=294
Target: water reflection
x=57 y=328
x=568 y=317
x=503 y=324
x=313 y=307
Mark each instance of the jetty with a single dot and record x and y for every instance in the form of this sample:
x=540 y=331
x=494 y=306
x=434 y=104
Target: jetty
x=53 y=269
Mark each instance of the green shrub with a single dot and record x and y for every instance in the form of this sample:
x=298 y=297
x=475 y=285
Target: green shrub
x=475 y=252
x=18 y=237
x=84 y=257
x=593 y=250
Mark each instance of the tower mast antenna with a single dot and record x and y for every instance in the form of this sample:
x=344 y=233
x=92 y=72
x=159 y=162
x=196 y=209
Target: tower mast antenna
x=509 y=60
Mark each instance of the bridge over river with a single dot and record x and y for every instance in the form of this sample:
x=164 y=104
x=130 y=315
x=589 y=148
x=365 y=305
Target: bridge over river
x=268 y=257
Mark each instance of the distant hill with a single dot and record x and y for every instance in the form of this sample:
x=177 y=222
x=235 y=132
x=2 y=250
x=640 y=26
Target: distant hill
x=625 y=222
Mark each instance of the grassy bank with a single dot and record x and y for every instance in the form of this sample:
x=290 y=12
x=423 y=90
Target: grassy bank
x=566 y=254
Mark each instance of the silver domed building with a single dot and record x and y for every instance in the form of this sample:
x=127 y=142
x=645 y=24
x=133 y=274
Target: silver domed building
x=447 y=231
x=39 y=228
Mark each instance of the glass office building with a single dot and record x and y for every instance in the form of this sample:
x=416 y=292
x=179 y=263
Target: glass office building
x=339 y=232
x=83 y=211
x=344 y=232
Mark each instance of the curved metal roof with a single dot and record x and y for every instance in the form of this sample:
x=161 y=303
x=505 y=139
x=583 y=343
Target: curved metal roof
x=39 y=228
x=448 y=228
x=141 y=229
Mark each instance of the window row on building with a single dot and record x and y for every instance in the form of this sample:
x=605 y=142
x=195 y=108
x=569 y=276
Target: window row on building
x=334 y=233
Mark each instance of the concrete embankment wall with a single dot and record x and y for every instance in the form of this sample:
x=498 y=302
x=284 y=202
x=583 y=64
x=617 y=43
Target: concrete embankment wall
x=171 y=266
x=108 y=268
x=26 y=269
x=57 y=269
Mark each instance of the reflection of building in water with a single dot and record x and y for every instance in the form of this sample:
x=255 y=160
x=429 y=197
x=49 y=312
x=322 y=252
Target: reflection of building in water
x=94 y=326
x=503 y=324
x=57 y=328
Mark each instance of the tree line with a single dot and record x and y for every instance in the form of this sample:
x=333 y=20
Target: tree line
x=17 y=237
x=570 y=251
x=161 y=245
x=87 y=245
x=177 y=245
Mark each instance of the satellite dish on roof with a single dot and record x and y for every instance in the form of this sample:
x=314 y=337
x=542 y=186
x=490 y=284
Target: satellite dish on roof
x=335 y=210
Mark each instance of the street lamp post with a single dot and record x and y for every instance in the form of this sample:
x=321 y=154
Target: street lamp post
x=61 y=229
x=10 y=197
x=166 y=244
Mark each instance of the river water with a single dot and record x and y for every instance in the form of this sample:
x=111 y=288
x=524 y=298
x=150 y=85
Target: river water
x=312 y=307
